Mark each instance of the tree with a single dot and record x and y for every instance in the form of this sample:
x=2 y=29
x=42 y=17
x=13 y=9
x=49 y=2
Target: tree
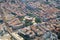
x=20 y=18
x=38 y=20
x=28 y=23
x=13 y=13
x=13 y=2
x=1 y=21
x=58 y=7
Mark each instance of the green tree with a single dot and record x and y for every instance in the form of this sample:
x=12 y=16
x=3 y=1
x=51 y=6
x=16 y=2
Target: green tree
x=58 y=7
x=1 y=21
x=28 y=23
x=20 y=18
x=38 y=20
